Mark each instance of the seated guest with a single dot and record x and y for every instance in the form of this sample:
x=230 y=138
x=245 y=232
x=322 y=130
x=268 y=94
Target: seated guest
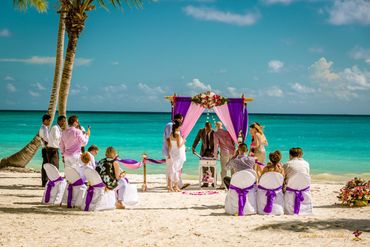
x=112 y=175
x=296 y=163
x=274 y=165
x=88 y=160
x=93 y=151
x=239 y=162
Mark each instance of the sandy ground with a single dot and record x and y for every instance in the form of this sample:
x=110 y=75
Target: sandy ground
x=171 y=219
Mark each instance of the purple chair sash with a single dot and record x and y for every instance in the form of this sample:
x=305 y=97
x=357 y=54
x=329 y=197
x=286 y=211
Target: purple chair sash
x=270 y=194
x=298 y=198
x=50 y=185
x=90 y=194
x=70 y=191
x=242 y=194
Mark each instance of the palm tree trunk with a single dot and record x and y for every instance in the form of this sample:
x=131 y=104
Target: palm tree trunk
x=24 y=156
x=67 y=74
x=58 y=67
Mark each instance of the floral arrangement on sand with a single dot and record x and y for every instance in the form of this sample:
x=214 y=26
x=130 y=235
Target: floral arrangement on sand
x=356 y=193
x=209 y=99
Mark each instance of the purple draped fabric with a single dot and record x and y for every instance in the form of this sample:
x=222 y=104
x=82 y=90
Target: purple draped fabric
x=245 y=123
x=298 y=198
x=238 y=115
x=90 y=194
x=182 y=105
x=242 y=194
x=128 y=161
x=270 y=194
x=50 y=185
x=78 y=182
x=156 y=161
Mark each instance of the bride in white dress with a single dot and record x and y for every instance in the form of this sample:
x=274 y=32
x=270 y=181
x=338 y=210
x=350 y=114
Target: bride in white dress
x=177 y=158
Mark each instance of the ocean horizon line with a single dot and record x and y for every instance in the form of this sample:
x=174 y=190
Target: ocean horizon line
x=168 y=112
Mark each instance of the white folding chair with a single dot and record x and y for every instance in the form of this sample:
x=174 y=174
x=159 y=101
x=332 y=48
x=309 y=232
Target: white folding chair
x=75 y=190
x=55 y=186
x=97 y=198
x=242 y=182
x=270 y=199
x=297 y=197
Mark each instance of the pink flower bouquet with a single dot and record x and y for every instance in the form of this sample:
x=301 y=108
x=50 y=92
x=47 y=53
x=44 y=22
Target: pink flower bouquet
x=356 y=193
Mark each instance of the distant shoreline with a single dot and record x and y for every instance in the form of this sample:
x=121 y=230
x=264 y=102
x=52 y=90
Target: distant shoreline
x=154 y=113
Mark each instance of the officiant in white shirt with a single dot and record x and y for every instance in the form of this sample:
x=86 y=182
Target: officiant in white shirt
x=54 y=140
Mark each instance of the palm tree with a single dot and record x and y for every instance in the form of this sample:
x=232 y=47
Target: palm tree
x=24 y=156
x=75 y=22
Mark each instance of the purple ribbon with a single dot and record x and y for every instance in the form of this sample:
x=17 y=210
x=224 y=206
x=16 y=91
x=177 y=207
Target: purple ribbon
x=298 y=198
x=156 y=161
x=270 y=194
x=70 y=191
x=242 y=194
x=50 y=185
x=90 y=194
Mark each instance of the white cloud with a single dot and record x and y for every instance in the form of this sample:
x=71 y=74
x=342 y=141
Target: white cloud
x=152 y=92
x=5 y=33
x=275 y=66
x=302 y=89
x=113 y=88
x=39 y=86
x=43 y=60
x=33 y=93
x=10 y=87
x=115 y=63
x=234 y=92
x=197 y=85
x=350 y=12
x=321 y=70
x=316 y=49
x=211 y=14
x=270 y=2
x=78 y=89
x=360 y=53
x=274 y=92
x=8 y=78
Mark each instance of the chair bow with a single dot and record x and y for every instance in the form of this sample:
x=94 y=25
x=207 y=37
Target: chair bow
x=90 y=194
x=270 y=194
x=50 y=185
x=242 y=194
x=70 y=191
x=298 y=198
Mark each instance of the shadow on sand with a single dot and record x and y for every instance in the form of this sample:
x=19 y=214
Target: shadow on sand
x=21 y=187
x=42 y=210
x=335 y=224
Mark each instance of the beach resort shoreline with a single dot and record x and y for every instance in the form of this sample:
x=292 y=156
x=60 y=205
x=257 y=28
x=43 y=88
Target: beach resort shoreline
x=171 y=219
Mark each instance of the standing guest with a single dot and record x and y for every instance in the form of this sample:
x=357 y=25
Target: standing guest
x=274 y=165
x=112 y=175
x=54 y=141
x=71 y=142
x=44 y=135
x=296 y=164
x=223 y=139
x=240 y=162
x=88 y=163
x=178 y=118
x=259 y=142
x=207 y=148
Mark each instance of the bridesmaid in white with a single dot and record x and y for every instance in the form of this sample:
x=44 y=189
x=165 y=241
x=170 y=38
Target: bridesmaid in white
x=177 y=157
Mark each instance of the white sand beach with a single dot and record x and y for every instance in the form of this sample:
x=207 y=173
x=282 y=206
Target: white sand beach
x=171 y=219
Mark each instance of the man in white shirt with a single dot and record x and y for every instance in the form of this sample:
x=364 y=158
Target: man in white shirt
x=296 y=164
x=44 y=135
x=54 y=140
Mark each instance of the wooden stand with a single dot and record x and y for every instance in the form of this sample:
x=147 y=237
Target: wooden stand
x=144 y=187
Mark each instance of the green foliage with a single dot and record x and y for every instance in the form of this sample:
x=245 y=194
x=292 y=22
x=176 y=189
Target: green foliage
x=39 y=5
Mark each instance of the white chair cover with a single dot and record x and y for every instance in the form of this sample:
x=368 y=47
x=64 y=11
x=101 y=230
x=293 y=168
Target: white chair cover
x=76 y=185
x=101 y=199
x=300 y=200
x=130 y=197
x=242 y=179
x=55 y=186
x=272 y=182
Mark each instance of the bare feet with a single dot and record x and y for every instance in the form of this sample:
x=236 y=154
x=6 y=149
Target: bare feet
x=170 y=189
x=176 y=188
x=119 y=205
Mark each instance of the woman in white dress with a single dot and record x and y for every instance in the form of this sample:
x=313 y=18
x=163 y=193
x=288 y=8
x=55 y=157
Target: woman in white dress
x=177 y=157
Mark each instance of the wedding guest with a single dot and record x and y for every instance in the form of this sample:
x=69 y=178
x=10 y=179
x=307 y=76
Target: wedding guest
x=54 y=141
x=178 y=118
x=296 y=164
x=274 y=165
x=259 y=142
x=240 y=162
x=88 y=163
x=224 y=141
x=44 y=135
x=112 y=175
x=71 y=142
x=205 y=134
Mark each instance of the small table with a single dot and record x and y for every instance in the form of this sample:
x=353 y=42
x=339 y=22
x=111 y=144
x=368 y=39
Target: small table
x=207 y=163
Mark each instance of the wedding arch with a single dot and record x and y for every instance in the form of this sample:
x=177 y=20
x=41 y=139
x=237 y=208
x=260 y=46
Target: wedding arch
x=233 y=112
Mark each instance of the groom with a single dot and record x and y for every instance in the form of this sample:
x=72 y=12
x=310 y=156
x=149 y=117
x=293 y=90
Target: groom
x=166 y=139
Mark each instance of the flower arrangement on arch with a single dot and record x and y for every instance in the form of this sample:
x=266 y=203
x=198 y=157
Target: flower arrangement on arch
x=356 y=193
x=209 y=100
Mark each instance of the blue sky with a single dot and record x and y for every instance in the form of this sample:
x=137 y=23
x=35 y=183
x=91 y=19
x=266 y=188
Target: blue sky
x=291 y=56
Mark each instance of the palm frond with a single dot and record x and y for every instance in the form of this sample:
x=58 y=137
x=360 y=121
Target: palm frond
x=39 y=5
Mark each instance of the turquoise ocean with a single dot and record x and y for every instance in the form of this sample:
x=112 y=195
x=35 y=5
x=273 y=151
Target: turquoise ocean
x=334 y=144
